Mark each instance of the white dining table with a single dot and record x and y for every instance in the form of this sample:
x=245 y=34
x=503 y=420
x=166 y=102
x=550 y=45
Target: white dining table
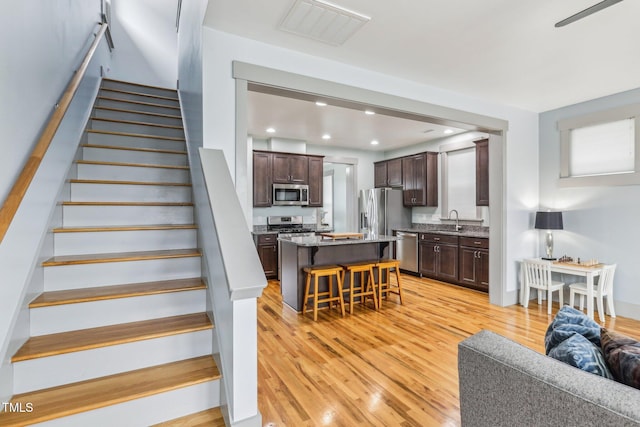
x=588 y=272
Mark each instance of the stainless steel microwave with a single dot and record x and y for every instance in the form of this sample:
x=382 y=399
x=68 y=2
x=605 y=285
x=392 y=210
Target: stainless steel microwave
x=290 y=195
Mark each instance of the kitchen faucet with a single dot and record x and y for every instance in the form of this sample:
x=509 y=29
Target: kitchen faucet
x=458 y=227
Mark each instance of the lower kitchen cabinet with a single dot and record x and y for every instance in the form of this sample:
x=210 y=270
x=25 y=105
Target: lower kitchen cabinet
x=267 y=246
x=439 y=257
x=474 y=263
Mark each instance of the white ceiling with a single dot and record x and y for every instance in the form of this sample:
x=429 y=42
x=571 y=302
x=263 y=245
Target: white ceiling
x=504 y=51
x=304 y=120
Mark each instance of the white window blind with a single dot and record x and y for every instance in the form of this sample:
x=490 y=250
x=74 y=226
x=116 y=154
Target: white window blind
x=461 y=173
x=602 y=149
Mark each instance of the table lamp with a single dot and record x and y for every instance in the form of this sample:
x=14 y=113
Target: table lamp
x=549 y=221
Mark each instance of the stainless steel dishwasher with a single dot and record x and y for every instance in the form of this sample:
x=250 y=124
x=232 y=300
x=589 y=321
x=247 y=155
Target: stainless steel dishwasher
x=407 y=251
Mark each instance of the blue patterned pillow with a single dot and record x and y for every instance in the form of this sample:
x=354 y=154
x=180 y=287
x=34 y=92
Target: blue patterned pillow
x=580 y=352
x=567 y=322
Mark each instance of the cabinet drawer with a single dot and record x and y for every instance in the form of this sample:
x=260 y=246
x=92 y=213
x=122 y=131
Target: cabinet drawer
x=438 y=238
x=472 y=242
x=267 y=238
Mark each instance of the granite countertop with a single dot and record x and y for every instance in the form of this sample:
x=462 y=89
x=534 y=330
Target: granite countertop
x=320 y=241
x=461 y=233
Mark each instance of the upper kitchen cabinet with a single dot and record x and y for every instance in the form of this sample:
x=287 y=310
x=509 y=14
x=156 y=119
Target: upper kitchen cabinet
x=420 y=178
x=388 y=173
x=482 y=172
x=316 y=171
x=290 y=168
x=271 y=167
x=262 y=168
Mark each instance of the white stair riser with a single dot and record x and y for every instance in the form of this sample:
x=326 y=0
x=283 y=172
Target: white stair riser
x=141 y=98
x=137 y=117
x=88 y=192
x=75 y=216
x=116 y=101
x=135 y=128
x=77 y=366
x=123 y=241
x=69 y=317
x=132 y=173
x=148 y=410
x=134 y=142
x=109 y=84
x=63 y=277
x=132 y=156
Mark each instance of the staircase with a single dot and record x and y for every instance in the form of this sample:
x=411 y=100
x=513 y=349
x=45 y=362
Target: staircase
x=120 y=335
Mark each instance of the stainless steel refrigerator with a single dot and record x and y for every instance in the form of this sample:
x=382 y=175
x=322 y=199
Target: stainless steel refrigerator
x=382 y=211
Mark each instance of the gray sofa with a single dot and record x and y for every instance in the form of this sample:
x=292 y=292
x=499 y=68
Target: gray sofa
x=503 y=383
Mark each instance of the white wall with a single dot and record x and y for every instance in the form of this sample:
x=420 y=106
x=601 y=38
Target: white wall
x=43 y=42
x=146 y=41
x=520 y=154
x=599 y=222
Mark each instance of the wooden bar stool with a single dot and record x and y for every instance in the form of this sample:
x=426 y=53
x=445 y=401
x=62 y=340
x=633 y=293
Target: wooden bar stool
x=366 y=287
x=316 y=272
x=384 y=279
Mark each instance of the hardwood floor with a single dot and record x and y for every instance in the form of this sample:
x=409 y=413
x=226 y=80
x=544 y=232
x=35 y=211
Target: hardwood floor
x=395 y=367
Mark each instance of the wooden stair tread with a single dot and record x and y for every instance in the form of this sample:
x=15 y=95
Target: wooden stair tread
x=147 y=150
x=110 y=181
x=145 y=113
x=133 y=122
x=74 y=296
x=138 y=165
x=127 y=204
x=100 y=228
x=147 y=95
x=104 y=336
x=119 y=257
x=136 y=135
x=108 y=79
x=87 y=395
x=209 y=418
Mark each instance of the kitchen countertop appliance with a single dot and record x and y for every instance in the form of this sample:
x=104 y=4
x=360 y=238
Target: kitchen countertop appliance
x=288 y=226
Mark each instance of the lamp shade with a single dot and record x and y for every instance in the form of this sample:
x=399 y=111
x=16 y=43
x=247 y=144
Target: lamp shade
x=548 y=220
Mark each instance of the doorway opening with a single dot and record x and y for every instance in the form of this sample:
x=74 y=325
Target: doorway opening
x=254 y=77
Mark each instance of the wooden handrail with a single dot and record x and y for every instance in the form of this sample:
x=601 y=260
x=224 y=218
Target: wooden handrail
x=13 y=200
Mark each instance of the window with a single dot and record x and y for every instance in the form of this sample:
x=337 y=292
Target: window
x=601 y=148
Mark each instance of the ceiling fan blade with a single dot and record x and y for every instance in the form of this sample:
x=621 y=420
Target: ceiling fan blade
x=588 y=11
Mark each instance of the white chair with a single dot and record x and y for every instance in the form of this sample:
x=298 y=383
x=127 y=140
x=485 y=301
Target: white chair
x=537 y=274
x=604 y=288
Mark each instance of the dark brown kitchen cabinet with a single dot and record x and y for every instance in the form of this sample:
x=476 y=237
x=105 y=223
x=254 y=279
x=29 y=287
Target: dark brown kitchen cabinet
x=482 y=172
x=262 y=166
x=420 y=179
x=267 y=247
x=316 y=178
x=438 y=257
x=474 y=263
x=388 y=173
x=290 y=168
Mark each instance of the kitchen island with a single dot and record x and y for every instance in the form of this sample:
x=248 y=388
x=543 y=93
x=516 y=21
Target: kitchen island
x=300 y=252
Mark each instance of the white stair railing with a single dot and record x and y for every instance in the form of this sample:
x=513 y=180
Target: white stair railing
x=235 y=280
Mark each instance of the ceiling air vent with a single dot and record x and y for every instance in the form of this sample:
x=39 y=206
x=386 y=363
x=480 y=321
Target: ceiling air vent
x=322 y=21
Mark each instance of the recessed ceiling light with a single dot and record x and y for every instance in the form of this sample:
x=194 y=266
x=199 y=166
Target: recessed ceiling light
x=270 y=130
x=448 y=131
x=321 y=104
x=326 y=136
x=374 y=142
x=369 y=112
